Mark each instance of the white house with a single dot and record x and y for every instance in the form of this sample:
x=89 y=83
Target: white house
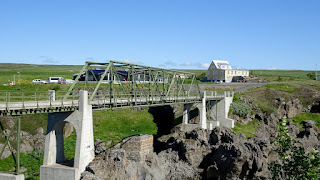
x=221 y=71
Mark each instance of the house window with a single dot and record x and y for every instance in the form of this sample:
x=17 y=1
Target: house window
x=214 y=72
x=208 y=73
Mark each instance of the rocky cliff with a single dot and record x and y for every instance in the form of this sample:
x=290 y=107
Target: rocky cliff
x=200 y=154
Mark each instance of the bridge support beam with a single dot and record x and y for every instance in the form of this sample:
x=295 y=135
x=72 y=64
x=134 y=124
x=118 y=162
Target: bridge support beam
x=54 y=147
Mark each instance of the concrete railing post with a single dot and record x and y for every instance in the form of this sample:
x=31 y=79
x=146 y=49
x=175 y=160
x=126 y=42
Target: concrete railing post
x=52 y=95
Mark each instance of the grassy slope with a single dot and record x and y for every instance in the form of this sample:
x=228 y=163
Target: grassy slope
x=264 y=99
x=247 y=129
x=307 y=116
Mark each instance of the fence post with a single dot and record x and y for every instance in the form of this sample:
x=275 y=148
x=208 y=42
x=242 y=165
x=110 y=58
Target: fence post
x=52 y=95
x=18 y=145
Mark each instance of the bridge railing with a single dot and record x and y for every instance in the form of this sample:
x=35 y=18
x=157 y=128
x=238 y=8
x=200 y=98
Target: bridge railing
x=45 y=100
x=112 y=99
x=215 y=94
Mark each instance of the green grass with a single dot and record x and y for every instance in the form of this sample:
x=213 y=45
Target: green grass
x=298 y=119
x=28 y=72
x=285 y=75
x=247 y=129
x=69 y=146
x=32 y=161
x=289 y=88
x=114 y=126
x=118 y=124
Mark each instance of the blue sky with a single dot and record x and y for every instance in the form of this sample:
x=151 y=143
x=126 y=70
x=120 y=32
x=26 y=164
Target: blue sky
x=185 y=34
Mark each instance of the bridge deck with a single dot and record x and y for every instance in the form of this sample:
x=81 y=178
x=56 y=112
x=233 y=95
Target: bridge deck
x=32 y=107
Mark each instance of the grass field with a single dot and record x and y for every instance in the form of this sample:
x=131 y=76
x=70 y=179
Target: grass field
x=283 y=75
x=28 y=72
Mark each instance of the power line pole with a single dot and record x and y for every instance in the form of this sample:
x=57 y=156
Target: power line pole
x=316 y=73
x=19 y=78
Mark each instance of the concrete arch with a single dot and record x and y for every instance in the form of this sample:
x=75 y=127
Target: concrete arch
x=81 y=120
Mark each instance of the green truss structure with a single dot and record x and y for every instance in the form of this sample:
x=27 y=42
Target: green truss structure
x=139 y=85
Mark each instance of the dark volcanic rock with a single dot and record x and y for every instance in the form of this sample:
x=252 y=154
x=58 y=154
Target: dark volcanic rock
x=204 y=154
x=308 y=138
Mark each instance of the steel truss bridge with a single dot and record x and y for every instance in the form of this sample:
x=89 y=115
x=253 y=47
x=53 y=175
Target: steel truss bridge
x=110 y=89
x=117 y=85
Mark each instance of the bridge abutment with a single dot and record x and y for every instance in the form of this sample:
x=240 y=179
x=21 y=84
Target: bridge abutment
x=212 y=113
x=81 y=119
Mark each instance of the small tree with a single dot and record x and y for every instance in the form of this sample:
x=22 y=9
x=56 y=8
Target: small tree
x=294 y=162
x=312 y=76
x=201 y=76
x=241 y=109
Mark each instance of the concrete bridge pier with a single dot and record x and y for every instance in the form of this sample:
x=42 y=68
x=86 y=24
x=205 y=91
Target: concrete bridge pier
x=54 y=165
x=212 y=113
x=212 y=110
x=202 y=112
x=218 y=112
x=186 y=118
x=223 y=109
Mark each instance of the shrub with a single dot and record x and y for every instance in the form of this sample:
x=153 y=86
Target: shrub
x=241 y=109
x=201 y=76
x=279 y=78
x=56 y=88
x=294 y=162
x=312 y=76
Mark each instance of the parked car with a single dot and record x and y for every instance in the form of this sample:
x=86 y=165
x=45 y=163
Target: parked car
x=39 y=81
x=69 y=81
x=56 y=80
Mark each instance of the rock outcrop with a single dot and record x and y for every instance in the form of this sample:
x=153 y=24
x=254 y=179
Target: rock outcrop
x=201 y=154
x=29 y=142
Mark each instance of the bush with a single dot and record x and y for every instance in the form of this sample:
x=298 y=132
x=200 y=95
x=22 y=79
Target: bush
x=56 y=88
x=312 y=76
x=240 y=109
x=294 y=162
x=201 y=76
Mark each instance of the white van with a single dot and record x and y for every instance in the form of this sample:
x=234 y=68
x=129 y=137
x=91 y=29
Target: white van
x=56 y=80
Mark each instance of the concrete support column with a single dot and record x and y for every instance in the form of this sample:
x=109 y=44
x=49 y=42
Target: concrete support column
x=186 y=113
x=54 y=150
x=85 y=142
x=202 y=112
